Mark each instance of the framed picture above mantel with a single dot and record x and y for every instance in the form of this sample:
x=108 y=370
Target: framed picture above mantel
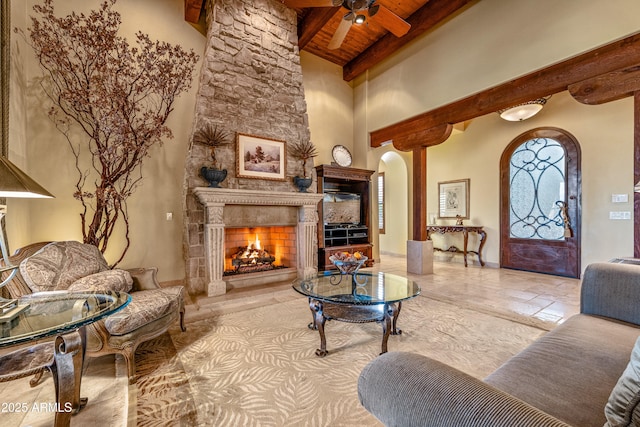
x=260 y=158
x=454 y=199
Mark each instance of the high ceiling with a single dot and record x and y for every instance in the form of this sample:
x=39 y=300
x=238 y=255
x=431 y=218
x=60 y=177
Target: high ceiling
x=368 y=43
x=364 y=44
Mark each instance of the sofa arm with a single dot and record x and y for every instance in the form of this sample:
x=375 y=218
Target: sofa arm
x=144 y=279
x=406 y=389
x=611 y=290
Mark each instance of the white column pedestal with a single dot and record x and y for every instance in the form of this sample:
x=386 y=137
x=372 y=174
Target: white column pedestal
x=420 y=256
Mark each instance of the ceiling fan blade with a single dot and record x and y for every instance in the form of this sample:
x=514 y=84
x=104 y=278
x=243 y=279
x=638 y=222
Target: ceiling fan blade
x=340 y=34
x=389 y=20
x=312 y=3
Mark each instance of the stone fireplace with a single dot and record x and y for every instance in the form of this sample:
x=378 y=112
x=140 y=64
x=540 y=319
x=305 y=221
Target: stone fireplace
x=250 y=84
x=228 y=209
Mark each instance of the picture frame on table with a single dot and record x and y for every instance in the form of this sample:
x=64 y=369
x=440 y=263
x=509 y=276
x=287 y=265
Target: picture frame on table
x=454 y=199
x=260 y=158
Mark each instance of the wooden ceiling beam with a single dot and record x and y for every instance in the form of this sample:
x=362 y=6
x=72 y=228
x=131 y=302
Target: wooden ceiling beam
x=607 y=87
x=619 y=55
x=192 y=10
x=313 y=22
x=422 y=20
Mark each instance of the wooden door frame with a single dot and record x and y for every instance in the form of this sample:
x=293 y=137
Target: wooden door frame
x=573 y=187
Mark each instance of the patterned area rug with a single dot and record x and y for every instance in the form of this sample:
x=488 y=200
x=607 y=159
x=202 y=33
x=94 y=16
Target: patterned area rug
x=258 y=367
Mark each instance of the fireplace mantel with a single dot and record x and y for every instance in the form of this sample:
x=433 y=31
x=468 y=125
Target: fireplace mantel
x=227 y=196
x=215 y=200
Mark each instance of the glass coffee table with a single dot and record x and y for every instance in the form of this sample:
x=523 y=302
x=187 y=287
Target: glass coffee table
x=63 y=316
x=356 y=298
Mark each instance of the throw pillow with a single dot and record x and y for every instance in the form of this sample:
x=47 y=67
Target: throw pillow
x=110 y=280
x=623 y=407
x=144 y=279
x=57 y=265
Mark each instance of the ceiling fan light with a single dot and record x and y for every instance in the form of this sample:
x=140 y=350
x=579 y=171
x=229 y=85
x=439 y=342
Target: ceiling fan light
x=360 y=19
x=523 y=111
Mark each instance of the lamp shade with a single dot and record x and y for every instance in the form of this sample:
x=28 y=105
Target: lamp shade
x=15 y=183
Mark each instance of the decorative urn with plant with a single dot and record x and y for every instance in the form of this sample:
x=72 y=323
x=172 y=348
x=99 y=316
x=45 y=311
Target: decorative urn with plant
x=212 y=137
x=303 y=151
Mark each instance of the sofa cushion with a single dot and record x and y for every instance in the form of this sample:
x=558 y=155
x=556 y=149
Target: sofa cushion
x=110 y=280
x=145 y=307
x=580 y=360
x=57 y=265
x=623 y=407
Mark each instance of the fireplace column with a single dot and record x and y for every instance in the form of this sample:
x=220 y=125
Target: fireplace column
x=214 y=249
x=307 y=236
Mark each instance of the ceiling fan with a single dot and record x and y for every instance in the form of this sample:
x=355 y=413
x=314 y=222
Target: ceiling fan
x=356 y=10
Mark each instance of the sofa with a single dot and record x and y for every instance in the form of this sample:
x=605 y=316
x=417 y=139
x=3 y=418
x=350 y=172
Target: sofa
x=585 y=372
x=74 y=266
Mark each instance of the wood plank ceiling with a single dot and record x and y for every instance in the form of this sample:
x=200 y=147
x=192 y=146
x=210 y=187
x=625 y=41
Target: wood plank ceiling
x=365 y=44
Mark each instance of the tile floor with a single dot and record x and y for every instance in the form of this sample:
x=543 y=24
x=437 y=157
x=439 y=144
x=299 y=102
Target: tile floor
x=537 y=297
x=541 y=298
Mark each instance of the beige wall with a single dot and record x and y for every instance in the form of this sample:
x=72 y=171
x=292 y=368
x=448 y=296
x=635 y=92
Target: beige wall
x=605 y=134
x=46 y=157
x=485 y=45
x=393 y=241
x=329 y=106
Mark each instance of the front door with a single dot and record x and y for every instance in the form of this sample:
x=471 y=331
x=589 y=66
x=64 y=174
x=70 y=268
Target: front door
x=540 y=203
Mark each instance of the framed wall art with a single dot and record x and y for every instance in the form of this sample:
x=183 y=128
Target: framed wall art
x=454 y=199
x=260 y=158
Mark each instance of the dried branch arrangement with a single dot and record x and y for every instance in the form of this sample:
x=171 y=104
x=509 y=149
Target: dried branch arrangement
x=118 y=95
x=211 y=136
x=304 y=151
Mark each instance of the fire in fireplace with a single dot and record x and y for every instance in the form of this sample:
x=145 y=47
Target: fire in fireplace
x=275 y=253
x=252 y=258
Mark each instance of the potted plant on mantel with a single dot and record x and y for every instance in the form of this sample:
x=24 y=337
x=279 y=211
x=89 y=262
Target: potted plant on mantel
x=212 y=137
x=304 y=151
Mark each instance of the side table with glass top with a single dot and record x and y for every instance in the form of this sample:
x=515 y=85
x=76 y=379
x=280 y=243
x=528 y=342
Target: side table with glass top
x=357 y=298
x=62 y=315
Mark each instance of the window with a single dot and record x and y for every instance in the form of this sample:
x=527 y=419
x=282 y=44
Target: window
x=381 y=217
x=537 y=190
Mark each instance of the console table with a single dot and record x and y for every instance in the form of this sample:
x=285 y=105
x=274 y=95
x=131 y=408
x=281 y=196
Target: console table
x=465 y=230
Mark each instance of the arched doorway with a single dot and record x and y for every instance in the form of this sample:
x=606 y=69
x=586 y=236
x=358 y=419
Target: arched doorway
x=540 y=193
x=393 y=239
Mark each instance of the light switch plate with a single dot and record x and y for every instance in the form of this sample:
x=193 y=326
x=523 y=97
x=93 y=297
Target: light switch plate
x=619 y=198
x=619 y=215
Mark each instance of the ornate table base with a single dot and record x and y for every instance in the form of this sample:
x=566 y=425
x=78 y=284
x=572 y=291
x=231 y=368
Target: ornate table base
x=68 y=354
x=465 y=230
x=323 y=311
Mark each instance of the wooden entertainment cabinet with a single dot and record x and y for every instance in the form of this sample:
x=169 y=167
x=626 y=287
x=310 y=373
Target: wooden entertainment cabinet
x=348 y=229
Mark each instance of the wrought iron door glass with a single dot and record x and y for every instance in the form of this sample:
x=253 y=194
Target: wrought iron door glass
x=537 y=190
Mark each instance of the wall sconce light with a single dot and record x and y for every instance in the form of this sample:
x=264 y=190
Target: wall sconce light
x=523 y=111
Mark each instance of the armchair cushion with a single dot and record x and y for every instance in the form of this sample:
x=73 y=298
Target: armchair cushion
x=145 y=306
x=109 y=280
x=58 y=264
x=623 y=407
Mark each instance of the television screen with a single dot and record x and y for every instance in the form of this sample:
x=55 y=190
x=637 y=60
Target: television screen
x=341 y=208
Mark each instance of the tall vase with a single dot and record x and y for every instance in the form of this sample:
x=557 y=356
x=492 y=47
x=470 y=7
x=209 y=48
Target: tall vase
x=214 y=176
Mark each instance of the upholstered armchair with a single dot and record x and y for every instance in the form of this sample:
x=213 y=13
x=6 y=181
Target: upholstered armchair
x=74 y=266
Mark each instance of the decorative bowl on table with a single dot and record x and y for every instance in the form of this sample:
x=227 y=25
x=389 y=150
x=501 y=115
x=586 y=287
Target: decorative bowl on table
x=348 y=263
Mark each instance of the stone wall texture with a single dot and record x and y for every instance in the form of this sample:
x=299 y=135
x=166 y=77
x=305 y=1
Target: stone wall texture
x=250 y=83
